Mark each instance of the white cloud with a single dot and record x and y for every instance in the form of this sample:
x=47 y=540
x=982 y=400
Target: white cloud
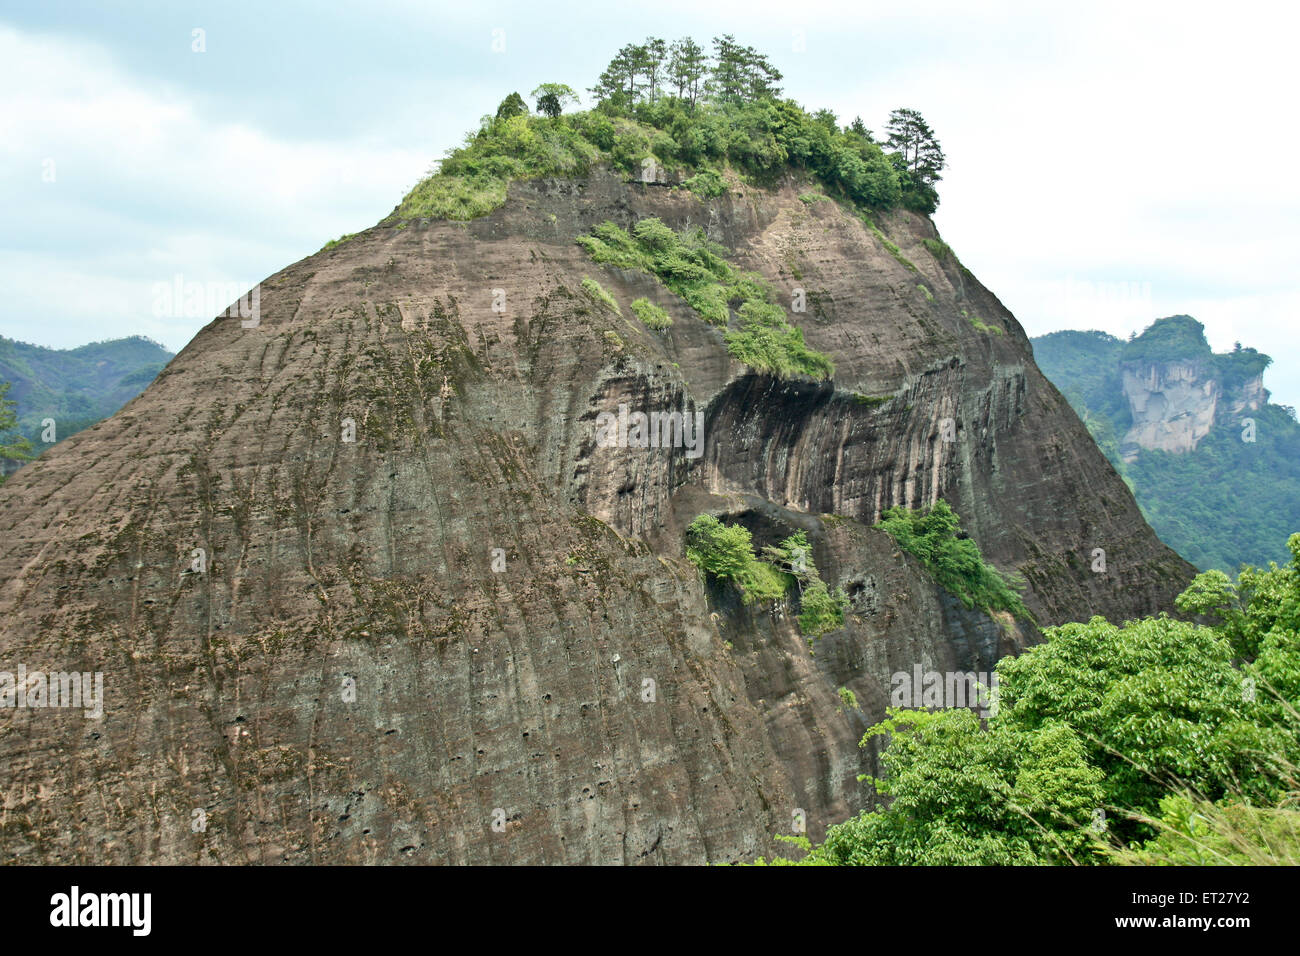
x=145 y=186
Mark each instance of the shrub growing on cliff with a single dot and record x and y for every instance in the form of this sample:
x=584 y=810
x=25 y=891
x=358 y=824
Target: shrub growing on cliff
x=472 y=180
x=820 y=610
x=766 y=342
x=727 y=553
x=980 y=325
x=934 y=538
x=597 y=293
x=690 y=265
x=651 y=316
x=454 y=197
x=707 y=184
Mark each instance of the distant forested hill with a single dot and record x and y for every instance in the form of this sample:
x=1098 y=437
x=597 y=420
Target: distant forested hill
x=76 y=387
x=1234 y=496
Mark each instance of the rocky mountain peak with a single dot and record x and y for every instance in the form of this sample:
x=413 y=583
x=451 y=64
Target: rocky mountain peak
x=367 y=580
x=1177 y=388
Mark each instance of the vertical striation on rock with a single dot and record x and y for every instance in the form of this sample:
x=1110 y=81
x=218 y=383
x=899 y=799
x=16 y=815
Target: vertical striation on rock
x=470 y=635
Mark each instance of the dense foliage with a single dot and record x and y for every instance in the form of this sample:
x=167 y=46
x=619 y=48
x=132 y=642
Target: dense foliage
x=935 y=539
x=1157 y=741
x=726 y=552
x=472 y=180
x=821 y=610
x=675 y=107
x=963 y=795
x=1239 y=366
x=1229 y=501
x=694 y=268
x=1193 y=831
x=1159 y=703
x=1177 y=337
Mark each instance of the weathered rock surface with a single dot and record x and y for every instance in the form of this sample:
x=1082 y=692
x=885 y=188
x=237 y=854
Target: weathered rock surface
x=350 y=680
x=1174 y=404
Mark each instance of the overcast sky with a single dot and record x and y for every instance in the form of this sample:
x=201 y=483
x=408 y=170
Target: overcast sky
x=1109 y=163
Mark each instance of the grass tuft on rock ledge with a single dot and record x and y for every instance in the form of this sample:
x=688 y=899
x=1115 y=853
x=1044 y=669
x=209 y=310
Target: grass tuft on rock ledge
x=980 y=325
x=597 y=293
x=954 y=561
x=694 y=268
x=651 y=316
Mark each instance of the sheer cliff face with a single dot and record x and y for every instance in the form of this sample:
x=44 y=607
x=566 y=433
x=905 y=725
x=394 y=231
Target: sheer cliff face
x=1174 y=404
x=469 y=635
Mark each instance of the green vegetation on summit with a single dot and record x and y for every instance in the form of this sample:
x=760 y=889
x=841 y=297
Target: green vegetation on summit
x=676 y=115
x=696 y=116
x=1175 y=338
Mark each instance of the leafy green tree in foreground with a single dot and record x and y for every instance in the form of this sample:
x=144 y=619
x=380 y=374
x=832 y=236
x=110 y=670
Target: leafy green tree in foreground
x=1179 y=742
x=965 y=795
x=1159 y=704
x=1193 y=831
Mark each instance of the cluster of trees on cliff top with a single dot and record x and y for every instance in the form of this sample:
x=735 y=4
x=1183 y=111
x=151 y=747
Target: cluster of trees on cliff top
x=685 y=111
